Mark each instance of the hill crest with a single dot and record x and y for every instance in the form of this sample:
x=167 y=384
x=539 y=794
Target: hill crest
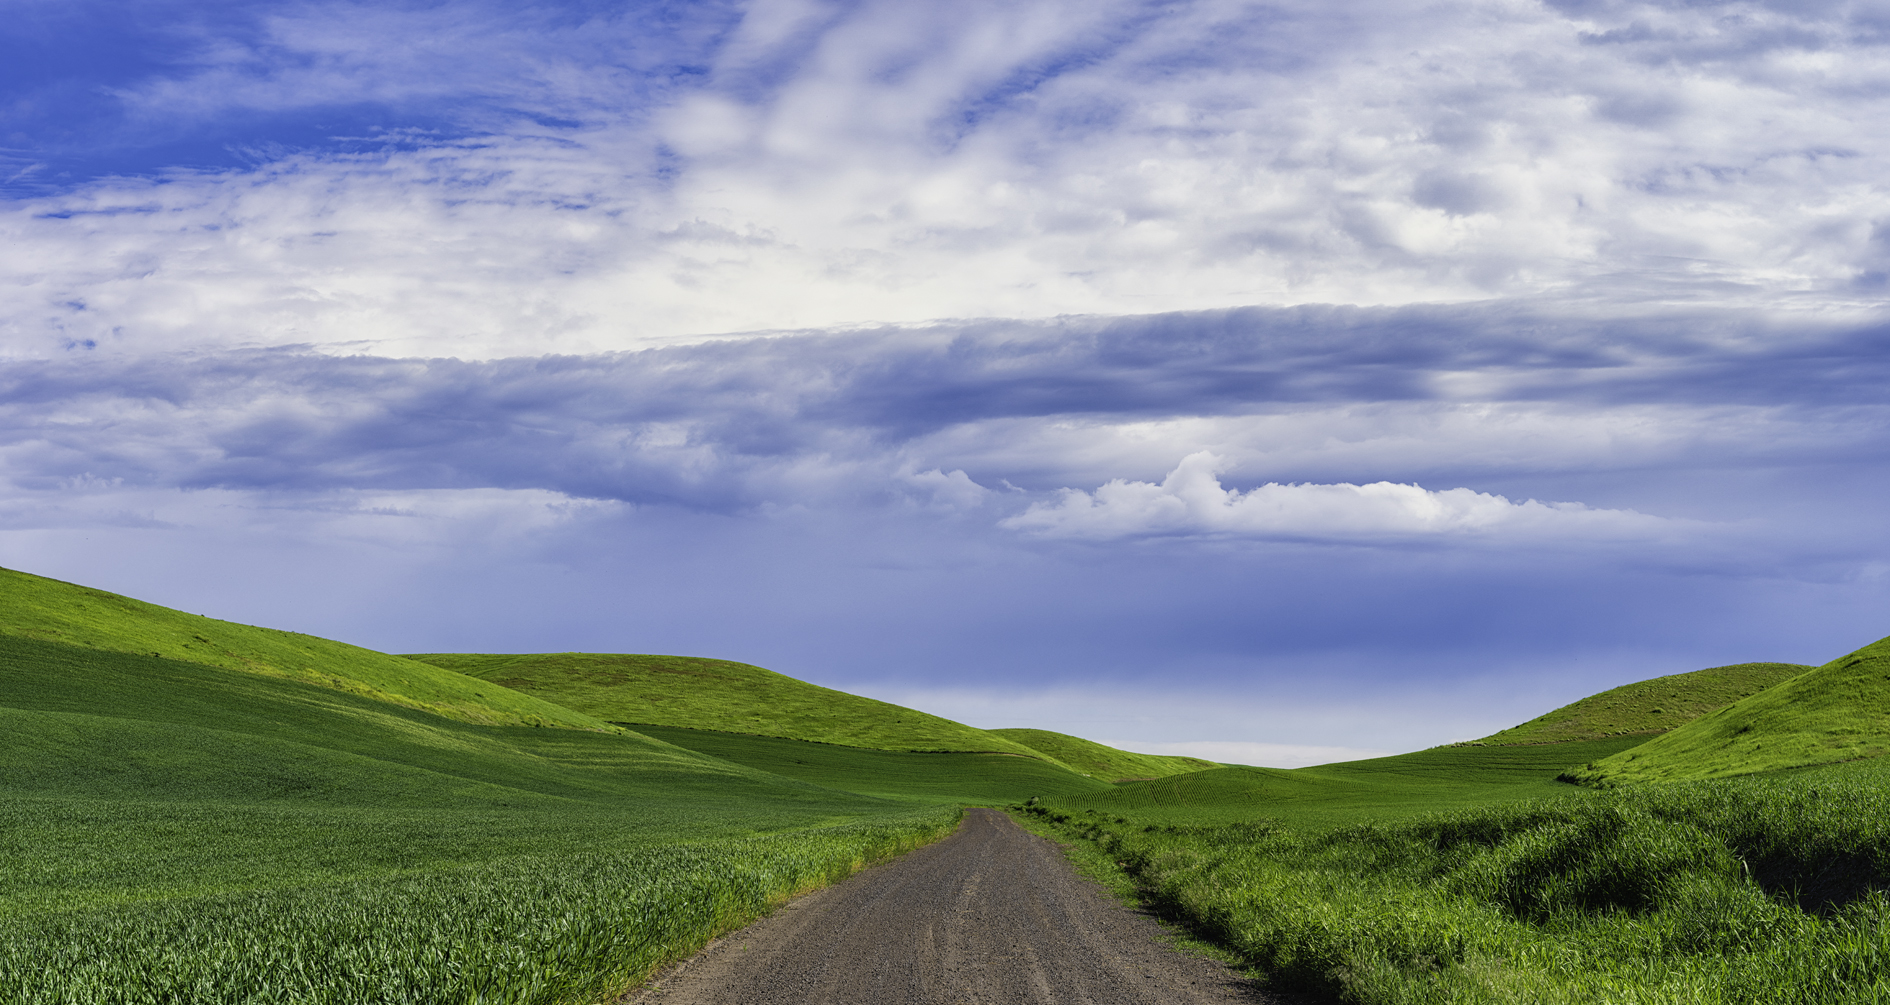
x=697 y=693
x=1647 y=707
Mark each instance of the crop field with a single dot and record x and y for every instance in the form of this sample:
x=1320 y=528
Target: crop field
x=176 y=832
x=1748 y=890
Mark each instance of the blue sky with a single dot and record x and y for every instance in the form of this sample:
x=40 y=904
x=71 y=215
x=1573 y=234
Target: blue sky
x=1276 y=381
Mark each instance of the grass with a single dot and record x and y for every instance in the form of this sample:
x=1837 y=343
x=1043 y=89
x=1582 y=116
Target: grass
x=179 y=832
x=967 y=778
x=1650 y=706
x=1765 y=889
x=1837 y=712
x=1100 y=761
x=34 y=607
x=1380 y=788
x=718 y=694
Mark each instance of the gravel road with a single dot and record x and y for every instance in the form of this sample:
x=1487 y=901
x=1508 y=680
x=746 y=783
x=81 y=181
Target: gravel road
x=992 y=915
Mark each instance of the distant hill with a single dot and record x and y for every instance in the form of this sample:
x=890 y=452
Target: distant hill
x=34 y=607
x=1649 y=707
x=1100 y=761
x=1837 y=712
x=985 y=778
x=695 y=693
x=86 y=723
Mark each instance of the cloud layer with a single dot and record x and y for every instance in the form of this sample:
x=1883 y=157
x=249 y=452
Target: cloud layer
x=613 y=178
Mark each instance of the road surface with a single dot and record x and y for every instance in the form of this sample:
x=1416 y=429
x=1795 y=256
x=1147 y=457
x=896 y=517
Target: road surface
x=992 y=915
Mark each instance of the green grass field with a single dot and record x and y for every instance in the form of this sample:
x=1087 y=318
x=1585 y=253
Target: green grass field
x=179 y=832
x=1833 y=713
x=733 y=697
x=194 y=811
x=1471 y=874
x=33 y=607
x=967 y=778
x=1650 y=706
x=1100 y=761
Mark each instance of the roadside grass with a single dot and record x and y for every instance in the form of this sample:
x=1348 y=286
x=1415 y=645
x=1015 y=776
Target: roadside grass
x=1100 y=760
x=34 y=607
x=1650 y=706
x=959 y=777
x=175 y=832
x=1833 y=713
x=697 y=693
x=1760 y=889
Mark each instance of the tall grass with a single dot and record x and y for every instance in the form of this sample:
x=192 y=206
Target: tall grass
x=572 y=927
x=1743 y=891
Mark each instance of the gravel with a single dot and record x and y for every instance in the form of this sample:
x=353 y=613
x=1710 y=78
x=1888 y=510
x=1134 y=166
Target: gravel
x=992 y=915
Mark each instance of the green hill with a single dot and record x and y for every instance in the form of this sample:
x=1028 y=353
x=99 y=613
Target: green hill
x=177 y=831
x=697 y=693
x=1380 y=788
x=1100 y=761
x=1650 y=706
x=34 y=607
x=1837 y=712
x=949 y=775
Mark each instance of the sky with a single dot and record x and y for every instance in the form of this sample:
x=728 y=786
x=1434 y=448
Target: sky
x=1274 y=382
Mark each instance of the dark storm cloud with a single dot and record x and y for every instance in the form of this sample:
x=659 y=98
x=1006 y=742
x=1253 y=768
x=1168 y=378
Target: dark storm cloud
x=732 y=424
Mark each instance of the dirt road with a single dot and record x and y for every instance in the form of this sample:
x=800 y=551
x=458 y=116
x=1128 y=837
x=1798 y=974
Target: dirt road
x=989 y=916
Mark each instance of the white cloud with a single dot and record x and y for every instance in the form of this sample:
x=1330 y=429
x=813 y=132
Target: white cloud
x=1191 y=500
x=901 y=162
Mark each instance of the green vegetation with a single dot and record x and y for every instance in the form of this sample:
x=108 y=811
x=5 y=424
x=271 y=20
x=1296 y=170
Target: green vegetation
x=969 y=778
x=1837 y=712
x=717 y=694
x=1376 y=789
x=1650 y=706
x=33 y=607
x=1100 y=761
x=180 y=832
x=1754 y=890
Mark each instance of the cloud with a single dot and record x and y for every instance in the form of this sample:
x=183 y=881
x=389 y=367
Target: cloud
x=1191 y=501
x=1481 y=395
x=606 y=181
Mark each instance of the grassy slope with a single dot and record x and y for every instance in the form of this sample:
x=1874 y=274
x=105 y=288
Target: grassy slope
x=1380 y=788
x=717 y=694
x=34 y=607
x=955 y=776
x=1837 y=712
x=1100 y=761
x=1650 y=706
x=182 y=832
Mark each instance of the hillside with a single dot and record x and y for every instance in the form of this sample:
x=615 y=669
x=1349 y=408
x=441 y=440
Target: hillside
x=990 y=779
x=1380 y=788
x=34 y=607
x=1837 y=712
x=1650 y=706
x=1100 y=761
x=180 y=832
x=695 y=693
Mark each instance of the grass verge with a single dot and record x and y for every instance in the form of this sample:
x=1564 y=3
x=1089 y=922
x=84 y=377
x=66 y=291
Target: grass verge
x=1764 y=889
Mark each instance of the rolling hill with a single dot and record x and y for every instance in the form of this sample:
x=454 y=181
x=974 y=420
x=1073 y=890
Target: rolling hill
x=34 y=607
x=1101 y=761
x=1837 y=712
x=634 y=690
x=1649 y=707
x=895 y=774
